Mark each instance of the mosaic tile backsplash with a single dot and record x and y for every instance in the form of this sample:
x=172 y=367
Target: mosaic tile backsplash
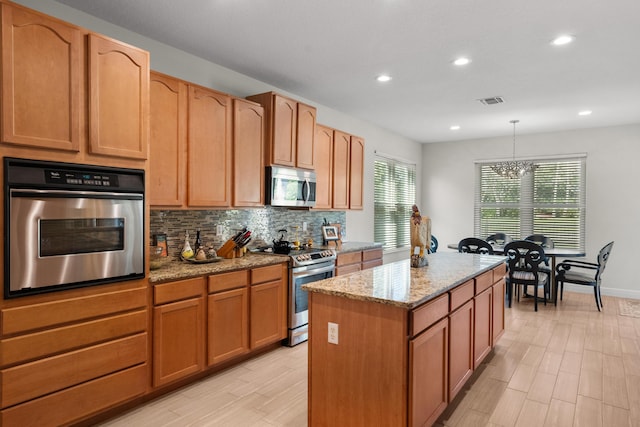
x=264 y=224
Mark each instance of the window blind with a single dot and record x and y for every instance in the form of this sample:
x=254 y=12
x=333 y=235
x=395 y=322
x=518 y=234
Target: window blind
x=394 y=195
x=549 y=201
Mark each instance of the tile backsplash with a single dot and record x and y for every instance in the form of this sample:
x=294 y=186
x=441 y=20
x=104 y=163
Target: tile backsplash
x=264 y=224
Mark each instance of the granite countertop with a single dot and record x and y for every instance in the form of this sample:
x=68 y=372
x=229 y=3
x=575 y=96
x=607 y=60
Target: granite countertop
x=400 y=285
x=178 y=269
x=357 y=246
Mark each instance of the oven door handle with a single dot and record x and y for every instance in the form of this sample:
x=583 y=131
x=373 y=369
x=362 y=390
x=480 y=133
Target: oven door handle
x=314 y=271
x=58 y=194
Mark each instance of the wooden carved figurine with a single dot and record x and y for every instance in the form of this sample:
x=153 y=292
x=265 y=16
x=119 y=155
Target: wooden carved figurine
x=420 y=237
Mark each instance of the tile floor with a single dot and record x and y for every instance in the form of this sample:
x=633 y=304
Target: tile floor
x=562 y=366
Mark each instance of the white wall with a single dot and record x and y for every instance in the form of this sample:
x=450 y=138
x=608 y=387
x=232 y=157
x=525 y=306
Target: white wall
x=613 y=202
x=168 y=60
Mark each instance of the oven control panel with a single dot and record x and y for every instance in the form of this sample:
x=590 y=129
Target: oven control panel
x=80 y=178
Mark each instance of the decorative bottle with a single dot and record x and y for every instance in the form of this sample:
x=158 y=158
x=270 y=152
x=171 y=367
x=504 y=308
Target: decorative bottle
x=187 y=252
x=198 y=242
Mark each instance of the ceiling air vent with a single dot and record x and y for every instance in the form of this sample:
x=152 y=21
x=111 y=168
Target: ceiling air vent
x=492 y=100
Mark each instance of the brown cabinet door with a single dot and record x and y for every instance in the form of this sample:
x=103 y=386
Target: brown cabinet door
x=305 y=136
x=498 y=310
x=460 y=347
x=285 y=112
x=248 y=166
x=428 y=357
x=482 y=326
x=323 y=147
x=209 y=151
x=43 y=75
x=356 y=171
x=227 y=325
x=178 y=340
x=268 y=318
x=341 y=162
x=118 y=99
x=168 y=143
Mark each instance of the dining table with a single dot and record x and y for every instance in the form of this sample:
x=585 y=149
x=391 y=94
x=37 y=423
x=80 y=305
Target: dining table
x=552 y=253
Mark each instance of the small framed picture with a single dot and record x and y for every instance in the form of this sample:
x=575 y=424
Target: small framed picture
x=330 y=232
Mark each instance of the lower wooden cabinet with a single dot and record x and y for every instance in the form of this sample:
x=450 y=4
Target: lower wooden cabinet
x=428 y=379
x=178 y=331
x=268 y=305
x=349 y=262
x=483 y=339
x=460 y=348
x=227 y=323
x=498 y=309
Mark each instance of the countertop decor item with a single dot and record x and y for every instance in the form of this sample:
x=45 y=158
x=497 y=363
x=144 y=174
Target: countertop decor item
x=193 y=260
x=514 y=169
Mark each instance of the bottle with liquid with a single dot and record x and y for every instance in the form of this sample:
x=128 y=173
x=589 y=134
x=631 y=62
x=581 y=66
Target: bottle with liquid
x=187 y=252
x=198 y=243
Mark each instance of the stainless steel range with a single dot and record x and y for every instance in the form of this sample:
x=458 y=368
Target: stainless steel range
x=307 y=265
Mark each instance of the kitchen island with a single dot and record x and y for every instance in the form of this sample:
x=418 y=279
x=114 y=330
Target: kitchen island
x=393 y=345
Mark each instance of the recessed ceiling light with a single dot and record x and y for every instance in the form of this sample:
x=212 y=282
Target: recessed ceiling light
x=562 y=40
x=455 y=127
x=461 y=61
x=383 y=78
x=585 y=113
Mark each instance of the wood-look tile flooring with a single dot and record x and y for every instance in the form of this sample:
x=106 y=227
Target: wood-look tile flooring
x=562 y=366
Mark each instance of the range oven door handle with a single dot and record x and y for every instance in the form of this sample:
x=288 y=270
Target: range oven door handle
x=320 y=270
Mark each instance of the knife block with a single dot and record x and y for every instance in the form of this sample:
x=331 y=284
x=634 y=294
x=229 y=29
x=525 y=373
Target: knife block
x=228 y=250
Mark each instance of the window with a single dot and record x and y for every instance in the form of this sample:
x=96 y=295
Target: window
x=394 y=194
x=549 y=201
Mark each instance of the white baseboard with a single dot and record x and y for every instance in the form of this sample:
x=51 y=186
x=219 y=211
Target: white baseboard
x=612 y=292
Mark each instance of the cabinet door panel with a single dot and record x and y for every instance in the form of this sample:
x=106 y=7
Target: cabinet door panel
x=341 y=149
x=248 y=166
x=460 y=348
x=498 y=310
x=356 y=171
x=209 y=152
x=482 y=326
x=178 y=340
x=268 y=322
x=428 y=358
x=323 y=147
x=227 y=323
x=305 y=136
x=42 y=81
x=118 y=99
x=168 y=142
x=284 y=131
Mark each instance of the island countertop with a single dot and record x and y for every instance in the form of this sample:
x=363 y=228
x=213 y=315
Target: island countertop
x=400 y=285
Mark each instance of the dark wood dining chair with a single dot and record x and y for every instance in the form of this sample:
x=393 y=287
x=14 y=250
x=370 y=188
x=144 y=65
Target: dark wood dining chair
x=523 y=265
x=473 y=245
x=433 y=247
x=499 y=239
x=584 y=273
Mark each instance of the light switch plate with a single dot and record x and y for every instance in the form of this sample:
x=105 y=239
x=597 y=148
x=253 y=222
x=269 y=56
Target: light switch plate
x=333 y=333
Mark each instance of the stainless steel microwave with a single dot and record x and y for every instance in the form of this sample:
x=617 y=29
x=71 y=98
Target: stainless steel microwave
x=290 y=187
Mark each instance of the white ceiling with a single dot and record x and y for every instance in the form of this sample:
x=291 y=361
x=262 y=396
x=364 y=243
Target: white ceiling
x=330 y=51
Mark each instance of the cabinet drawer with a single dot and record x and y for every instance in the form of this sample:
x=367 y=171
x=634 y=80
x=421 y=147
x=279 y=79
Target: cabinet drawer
x=371 y=254
x=349 y=258
x=21 y=319
x=41 y=344
x=225 y=281
x=266 y=274
x=429 y=313
x=371 y=264
x=346 y=269
x=499 y=272
x=31 y=380
x=71 y=404
x=176 y=291
x=461 y=294
x=483 y=281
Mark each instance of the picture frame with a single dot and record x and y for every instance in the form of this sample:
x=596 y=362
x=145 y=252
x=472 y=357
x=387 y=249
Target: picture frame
x=330 y=233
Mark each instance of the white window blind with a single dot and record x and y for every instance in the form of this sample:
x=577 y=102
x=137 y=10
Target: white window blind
x=394 y=194
x=549 y=201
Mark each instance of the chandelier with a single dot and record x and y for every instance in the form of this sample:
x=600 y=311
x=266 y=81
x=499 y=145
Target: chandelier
x=513 y=169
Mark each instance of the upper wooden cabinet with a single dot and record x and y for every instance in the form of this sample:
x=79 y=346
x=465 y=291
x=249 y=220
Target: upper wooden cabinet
x=341 y=163
x=167 y=180
x=323 y=149
x=289 y=130
x=45 y=75
x=118 y=98
x=248 y=164
x=356 y=172
x=209 y=154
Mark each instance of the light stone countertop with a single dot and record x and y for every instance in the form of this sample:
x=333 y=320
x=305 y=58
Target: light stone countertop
x=179 y=270
x=356 y=246
x=400 y=285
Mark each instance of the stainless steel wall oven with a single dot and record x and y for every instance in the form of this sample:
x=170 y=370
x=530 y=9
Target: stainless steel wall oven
x=71 y=225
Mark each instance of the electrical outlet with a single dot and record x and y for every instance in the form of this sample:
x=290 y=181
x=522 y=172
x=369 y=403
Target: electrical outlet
x=304 y=226
x=333 y=333
x=218 y=230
